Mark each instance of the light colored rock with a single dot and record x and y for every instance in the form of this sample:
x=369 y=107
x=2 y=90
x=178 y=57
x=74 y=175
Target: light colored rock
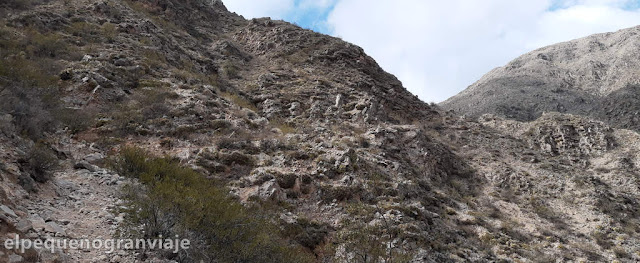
x=14 y=258
x=55 y=228
x=24 y=225
x=8 y=211
x=94 y=157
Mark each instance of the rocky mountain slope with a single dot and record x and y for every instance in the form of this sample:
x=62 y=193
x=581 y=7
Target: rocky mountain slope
x=593 y=76
x=304 y=130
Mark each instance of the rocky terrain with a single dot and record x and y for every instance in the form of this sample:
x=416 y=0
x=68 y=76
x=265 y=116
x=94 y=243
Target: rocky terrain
x=594 y=76
x=304 y=128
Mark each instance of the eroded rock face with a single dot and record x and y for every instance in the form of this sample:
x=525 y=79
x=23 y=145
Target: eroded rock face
x=558 y=134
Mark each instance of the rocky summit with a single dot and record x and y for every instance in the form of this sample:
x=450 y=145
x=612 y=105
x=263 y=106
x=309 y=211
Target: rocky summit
x=259 y=141
x=595 y=76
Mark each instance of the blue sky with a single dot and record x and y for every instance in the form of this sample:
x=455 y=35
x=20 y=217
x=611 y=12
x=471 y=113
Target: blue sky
x=310 y=18
x=437 y=48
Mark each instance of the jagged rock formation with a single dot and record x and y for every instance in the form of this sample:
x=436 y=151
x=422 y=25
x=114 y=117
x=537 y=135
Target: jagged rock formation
x=304 y=125
x=587 y=76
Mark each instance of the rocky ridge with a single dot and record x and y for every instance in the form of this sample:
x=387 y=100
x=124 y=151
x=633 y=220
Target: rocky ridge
x=585 y=76
x=310 y=126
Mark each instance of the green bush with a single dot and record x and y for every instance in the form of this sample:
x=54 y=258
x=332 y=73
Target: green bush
x=240 y=101
x=75 y=120
x=308 y=233
x=109 y=31
x=44 y=45
x=131 y=162
x=27 y=73
x=84 y=30
x=174 y=200
x=41 y=163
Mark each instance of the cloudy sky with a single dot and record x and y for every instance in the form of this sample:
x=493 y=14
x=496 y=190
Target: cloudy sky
x=438 y=48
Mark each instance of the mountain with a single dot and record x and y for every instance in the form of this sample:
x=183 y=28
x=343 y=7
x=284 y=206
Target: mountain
x=592 y=76
x=260 y=141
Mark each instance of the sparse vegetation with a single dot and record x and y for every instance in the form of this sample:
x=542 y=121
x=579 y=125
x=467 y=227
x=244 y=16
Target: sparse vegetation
x=176 y=200
x=308 y=233
x=283 y=126
x=364 y=242
x=84 y=29
x=154 y=58
x=109 y=31
x=240 y=101
x=41 y=163
x=230 y=70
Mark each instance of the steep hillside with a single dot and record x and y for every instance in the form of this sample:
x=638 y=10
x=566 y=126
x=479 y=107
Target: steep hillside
x=579 y=77
x=265 y=142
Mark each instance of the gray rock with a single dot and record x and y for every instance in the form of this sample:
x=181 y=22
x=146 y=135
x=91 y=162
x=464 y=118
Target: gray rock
x=24 y=225
x=295 y=109
x=38 y=223
x=94 y=157
x=85 y=165
x=339 y=101
x=14 y=258
x=8 y=211
x=55 y=228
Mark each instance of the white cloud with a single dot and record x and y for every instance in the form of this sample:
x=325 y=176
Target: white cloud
x=582 y=20
x=437 y=48
x=275 y=9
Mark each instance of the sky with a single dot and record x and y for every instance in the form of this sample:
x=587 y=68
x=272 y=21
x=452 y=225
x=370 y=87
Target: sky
x=438 y=48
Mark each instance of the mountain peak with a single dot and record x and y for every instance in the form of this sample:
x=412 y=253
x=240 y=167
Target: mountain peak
x=569 y=77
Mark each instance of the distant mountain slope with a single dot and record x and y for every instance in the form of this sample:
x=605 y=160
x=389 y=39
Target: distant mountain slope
x=572 y=77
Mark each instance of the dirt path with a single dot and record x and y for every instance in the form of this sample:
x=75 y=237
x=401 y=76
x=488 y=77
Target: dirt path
x=80 y=207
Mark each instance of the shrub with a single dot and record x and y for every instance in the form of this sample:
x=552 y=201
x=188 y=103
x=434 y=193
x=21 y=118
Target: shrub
x=49 y=45
x=155 y=59
x=235 y=158
x=28 y=76
x=244 y=145
x=602 y=239
x=221 y=126
x=365 y=243
x=30 y=111
x=339 y=193
x=286 y=181
x=307 y=233
x=131 y=162
x=75 y=120
x=273 y=145
x=621 y=253
x=41 y=163
x=83 y=29
x=25 y=72
x=174 y=200
x=240 y=101
x=109 y=31
x=230 y=70
x=126 y=120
